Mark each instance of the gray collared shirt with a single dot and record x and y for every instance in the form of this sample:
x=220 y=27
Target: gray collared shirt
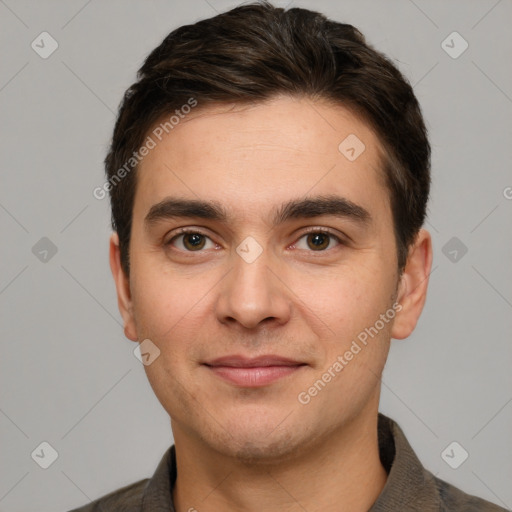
x=409 y=486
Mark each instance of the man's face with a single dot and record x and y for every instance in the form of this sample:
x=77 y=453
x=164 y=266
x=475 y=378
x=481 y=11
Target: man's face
x=263 y=280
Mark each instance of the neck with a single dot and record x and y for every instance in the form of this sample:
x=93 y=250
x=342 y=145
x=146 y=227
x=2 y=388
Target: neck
x=340 y=473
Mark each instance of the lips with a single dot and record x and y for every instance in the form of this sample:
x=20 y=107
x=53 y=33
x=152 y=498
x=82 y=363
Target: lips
x=246 y=362
x=253 y=372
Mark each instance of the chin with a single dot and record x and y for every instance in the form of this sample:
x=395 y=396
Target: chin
x=259 y=444
x=265 y=451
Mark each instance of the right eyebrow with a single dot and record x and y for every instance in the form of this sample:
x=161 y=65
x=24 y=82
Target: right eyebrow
x=173 y=207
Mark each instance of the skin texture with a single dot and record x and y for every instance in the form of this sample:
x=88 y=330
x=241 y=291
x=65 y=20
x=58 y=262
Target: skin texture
x=251 y=449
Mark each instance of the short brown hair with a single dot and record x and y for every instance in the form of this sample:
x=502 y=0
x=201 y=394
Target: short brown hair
x=254 y=52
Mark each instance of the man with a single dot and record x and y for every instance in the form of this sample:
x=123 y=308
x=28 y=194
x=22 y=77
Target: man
x=269 y=175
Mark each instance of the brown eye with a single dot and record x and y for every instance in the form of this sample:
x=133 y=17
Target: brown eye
x=191 y=241
x=317 y=241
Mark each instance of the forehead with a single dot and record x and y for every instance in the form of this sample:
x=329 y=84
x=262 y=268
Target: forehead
x=252 y=158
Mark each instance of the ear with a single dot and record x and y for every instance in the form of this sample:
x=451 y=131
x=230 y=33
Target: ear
x=124 y=299
x=412 y=288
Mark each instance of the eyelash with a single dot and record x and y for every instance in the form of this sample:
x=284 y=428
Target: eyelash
x=322 y=231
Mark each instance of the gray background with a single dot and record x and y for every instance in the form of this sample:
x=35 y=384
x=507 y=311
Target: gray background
x=68 y=375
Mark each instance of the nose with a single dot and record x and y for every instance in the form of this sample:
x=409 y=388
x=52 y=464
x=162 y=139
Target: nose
x=252 y=294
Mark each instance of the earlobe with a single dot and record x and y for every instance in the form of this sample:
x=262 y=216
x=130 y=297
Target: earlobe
x=124 y=299
x=413 y=285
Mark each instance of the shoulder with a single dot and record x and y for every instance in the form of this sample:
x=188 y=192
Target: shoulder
x=125 y=499
x=148 y=494
x=410 y=486
x=453 y=499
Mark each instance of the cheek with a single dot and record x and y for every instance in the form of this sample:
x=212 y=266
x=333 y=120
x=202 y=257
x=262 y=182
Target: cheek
x=348 y=299
x=359 y=334
x=174 y=393
x=171 y=312
x=163 y=300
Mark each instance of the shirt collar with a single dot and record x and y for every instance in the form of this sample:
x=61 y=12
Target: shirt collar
x=408 y=486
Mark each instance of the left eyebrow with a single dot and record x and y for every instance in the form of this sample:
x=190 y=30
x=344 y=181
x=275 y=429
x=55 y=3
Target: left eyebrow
x=317 y=206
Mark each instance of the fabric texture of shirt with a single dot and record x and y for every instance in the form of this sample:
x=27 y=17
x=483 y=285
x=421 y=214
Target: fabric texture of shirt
x=409 y=486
